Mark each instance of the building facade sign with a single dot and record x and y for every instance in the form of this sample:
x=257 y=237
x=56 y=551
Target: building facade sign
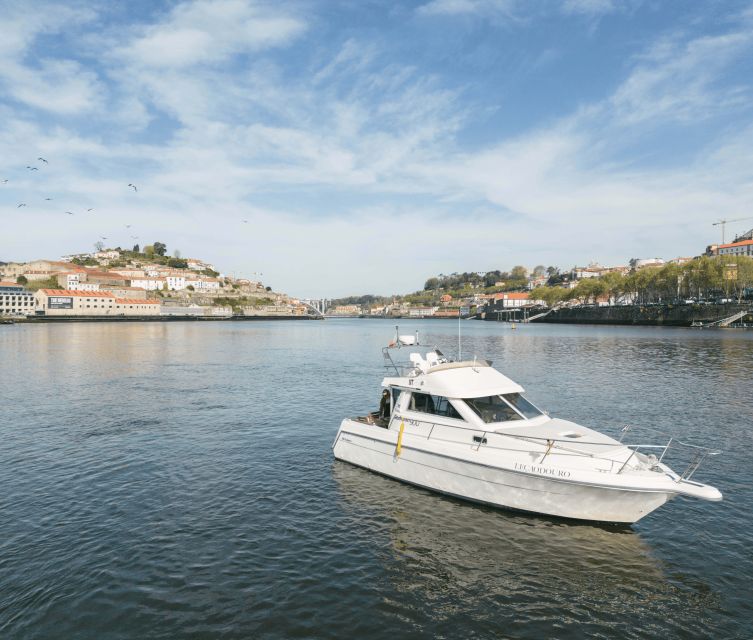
x=60 y=302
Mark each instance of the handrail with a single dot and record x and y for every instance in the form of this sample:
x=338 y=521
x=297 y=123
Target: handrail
x=700 y=455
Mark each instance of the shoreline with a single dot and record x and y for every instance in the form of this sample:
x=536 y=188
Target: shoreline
x=63 y=319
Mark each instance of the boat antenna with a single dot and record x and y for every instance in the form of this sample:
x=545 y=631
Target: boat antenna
x=460 y=344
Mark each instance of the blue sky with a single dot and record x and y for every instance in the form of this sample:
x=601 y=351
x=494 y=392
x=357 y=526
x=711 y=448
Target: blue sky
x=370 y=145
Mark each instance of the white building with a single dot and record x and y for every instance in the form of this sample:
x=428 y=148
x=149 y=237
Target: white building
x=149 y=283
x=744 y=248
x=67 y=302
x=203 y=284
x=15 y=300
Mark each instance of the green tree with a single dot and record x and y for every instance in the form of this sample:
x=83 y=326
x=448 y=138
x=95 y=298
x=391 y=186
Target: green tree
x=519 y=273
x=431 y=284
x=539 y=270
x=149 y=251
x=160 y=248
x=22 y=280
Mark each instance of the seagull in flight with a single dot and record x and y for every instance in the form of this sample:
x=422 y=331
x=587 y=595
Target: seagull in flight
x=103 y=237
x=32 y=168
x=128 y=226
x=43 y=160
x=48 y=198
x=245 y=222
x=132 y=185
x=70 y=213
x=23 y=204
x=5 y=180
x=90 y=209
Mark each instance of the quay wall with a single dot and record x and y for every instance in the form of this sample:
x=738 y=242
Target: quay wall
x=649 y=315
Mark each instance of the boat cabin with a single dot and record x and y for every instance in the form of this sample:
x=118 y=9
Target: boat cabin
x=468 y=393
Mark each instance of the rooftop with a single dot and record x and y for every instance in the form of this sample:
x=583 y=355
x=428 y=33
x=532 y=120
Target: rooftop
x=77 y=294
x=742 y=243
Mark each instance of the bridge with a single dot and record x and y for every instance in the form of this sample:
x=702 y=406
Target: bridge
x=319 y=305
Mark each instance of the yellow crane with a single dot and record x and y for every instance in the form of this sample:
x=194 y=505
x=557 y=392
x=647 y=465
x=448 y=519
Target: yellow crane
x=724 y=222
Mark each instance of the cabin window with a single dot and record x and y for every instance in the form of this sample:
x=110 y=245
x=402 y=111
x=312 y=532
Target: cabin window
x=436 y=405
x=522 y=405
x=395 y=399
x=493 y=409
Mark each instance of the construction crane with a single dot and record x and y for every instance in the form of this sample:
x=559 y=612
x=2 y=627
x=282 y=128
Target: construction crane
x=724 y=222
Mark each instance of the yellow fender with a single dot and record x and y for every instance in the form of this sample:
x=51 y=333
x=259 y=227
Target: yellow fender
x=399 y=446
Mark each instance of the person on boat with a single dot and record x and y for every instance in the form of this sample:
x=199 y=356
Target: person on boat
x=384 y=406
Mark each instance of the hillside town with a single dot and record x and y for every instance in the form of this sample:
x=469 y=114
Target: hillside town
x=722 y=274
x=117 y=283
x=149 y=283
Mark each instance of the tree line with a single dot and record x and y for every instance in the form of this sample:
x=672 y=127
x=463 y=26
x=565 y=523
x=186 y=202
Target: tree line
x=703 y=278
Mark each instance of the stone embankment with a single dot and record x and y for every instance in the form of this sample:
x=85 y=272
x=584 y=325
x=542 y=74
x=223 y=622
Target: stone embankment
x=650 y=315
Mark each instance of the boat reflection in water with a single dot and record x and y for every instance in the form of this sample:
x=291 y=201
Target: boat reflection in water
x=447 y=559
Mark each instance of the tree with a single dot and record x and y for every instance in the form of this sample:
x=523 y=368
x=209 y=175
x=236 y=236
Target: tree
x=99 y=245
x=539 y=270
x=22 y=280
x=136 y=249
x=176 y=253
x=550 y=295
x=432 y=284
x=160 y=248
x=518 y=273
x=190 y=287
x=149 y=251
x=177 y=263
x=267 y=288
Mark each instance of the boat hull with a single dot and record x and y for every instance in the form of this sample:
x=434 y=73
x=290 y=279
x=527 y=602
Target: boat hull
x=374 y=448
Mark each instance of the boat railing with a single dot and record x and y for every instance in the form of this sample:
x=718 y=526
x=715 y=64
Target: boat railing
x=694 y=456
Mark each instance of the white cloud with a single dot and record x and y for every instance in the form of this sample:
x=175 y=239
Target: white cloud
x=57 y=85
x=503 y=8
x=676 y=79
x=589 y=7
x=60 y=86
x=210 y=31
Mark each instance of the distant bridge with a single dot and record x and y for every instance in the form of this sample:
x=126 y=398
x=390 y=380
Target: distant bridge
x=319 y=305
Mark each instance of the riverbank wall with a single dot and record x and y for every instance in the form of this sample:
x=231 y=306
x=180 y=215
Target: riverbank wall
x=648 y=315
x=175 y=318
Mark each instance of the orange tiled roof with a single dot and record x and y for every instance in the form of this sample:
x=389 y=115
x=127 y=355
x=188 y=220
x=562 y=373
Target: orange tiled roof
x=742 y=243
x=135 y=301
x=77 y=294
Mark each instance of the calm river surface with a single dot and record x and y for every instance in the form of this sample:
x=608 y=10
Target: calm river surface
x=175 y=480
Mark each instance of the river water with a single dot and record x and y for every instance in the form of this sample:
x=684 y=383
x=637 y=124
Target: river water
x=175 y=480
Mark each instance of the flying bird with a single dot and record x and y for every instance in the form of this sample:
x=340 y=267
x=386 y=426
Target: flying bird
x=70 y=213
x=48 y=198
x=103 y=237
x=23 y=204
x=90 y=209
x=128 y=226
x=133 y=185
x=31 y=168
x=245 y=222
x=43 y=160
x=6 y=180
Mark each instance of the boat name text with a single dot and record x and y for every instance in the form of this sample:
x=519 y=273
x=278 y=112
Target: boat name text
x=547 y=471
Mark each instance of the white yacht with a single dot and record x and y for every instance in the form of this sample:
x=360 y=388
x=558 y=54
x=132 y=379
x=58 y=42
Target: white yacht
x=466 y=430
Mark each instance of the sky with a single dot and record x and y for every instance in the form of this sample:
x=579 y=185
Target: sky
x=351 y=147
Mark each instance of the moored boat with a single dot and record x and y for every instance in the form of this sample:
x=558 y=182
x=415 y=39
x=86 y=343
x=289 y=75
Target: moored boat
x=466 y=430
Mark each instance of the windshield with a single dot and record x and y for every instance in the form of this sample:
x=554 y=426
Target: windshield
x=493 y=409
x=522 y=405
x=511 y=406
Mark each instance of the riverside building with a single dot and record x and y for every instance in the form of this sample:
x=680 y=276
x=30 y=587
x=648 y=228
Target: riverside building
x=68 y=302
x=15 y=300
